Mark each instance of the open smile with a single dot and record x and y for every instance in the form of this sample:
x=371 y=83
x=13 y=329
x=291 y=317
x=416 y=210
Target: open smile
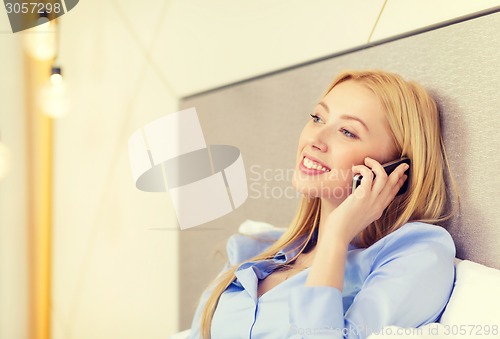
x=310 y=166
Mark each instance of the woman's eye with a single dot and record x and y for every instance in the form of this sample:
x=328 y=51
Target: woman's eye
x=315 y=117
x=348 y=134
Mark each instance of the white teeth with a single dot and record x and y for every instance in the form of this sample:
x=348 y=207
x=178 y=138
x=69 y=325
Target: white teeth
x=314 y=165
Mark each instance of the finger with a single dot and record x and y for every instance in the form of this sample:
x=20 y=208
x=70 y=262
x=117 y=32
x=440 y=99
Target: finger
x=366 y=182
x=402 y=168
x=395 y=176
x=357 y=168
x=394 y=182
x=380 y=180
x=395 y=189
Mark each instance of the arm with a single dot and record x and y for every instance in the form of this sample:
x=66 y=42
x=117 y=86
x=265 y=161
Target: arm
x=359 y=210
x=408 y=285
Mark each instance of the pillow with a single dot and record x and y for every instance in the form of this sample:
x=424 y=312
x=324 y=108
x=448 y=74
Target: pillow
x=475 y=301
x=473 y=310
x=252 y=227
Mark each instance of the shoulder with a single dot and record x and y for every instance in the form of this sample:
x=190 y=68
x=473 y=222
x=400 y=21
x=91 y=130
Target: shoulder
x=420 y=234
x=410 y=277
x=253 y=238
x=419 y=241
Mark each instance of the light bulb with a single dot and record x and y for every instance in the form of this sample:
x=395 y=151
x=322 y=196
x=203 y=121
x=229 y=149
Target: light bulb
x=53 y=96
x=40 y=41
x=4 y=160
x=56 y=79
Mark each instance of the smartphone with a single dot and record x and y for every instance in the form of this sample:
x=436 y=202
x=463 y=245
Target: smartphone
x=389 y=167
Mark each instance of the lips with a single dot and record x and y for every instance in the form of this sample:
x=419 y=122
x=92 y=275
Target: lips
x=312 y=166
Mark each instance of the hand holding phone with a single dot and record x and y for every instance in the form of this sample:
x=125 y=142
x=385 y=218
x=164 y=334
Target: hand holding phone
x=389 y=167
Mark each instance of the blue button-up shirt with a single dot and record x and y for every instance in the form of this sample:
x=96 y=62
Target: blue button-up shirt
x=404 y=279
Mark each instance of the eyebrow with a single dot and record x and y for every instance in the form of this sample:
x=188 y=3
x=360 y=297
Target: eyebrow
x=344 y=116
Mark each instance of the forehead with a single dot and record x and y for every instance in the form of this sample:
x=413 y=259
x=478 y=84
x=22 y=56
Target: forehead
x=354 y=98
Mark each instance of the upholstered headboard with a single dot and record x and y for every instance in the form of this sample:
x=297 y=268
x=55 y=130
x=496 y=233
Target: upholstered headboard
x=459 y=63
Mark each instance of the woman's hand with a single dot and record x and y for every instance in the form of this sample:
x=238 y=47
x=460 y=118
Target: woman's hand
x=367 y=203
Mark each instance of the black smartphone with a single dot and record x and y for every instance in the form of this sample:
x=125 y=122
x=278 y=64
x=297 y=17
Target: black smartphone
x=389 y=167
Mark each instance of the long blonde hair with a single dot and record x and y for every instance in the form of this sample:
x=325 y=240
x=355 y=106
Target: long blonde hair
x=414 y=122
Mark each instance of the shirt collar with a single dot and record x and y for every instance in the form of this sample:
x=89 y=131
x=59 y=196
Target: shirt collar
x=248 y=272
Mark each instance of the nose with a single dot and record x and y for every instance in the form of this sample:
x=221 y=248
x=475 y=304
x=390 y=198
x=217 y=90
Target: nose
x=319 y=139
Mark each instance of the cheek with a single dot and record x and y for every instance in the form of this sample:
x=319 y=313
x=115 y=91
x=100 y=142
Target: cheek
x=340 y=178
x=344 y=159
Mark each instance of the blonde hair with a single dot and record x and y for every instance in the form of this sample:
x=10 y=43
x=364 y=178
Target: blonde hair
x=415 y=126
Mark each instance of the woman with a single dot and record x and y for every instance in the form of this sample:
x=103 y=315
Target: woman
x=350 y=263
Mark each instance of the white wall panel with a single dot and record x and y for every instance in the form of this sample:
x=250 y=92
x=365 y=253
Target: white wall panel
x=207 y=44
x=400 y=16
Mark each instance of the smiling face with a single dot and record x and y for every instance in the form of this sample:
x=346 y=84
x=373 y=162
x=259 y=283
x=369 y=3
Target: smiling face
x=348 y=125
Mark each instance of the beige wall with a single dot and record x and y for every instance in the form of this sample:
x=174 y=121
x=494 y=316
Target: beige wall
x=13 y=204
x=126 y=64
